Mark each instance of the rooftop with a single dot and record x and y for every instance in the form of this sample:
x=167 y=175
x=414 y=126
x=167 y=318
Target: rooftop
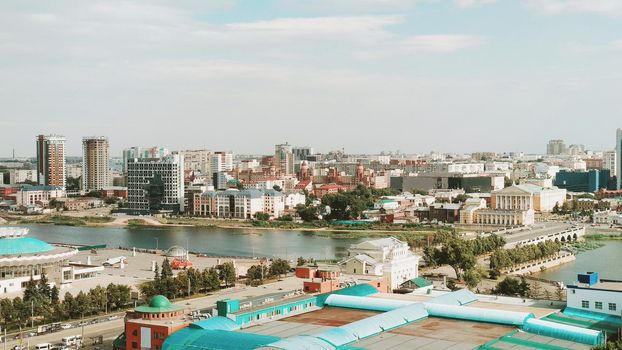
x=158 y=303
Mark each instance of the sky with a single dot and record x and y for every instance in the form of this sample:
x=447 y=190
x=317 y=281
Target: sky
x=363 y=75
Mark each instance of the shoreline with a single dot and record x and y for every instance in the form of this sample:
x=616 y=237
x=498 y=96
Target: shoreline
x=149 y=222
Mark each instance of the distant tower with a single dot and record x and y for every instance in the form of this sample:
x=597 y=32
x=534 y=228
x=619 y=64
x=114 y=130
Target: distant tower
x=360 y=172
x=51 y=160
x=304 y=170
x=619 y=158
x=95 y=163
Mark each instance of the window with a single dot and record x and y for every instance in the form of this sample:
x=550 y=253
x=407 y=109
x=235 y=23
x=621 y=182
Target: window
x=134 y=345
x=612 y=306
x=598 y=305
x=585 y=304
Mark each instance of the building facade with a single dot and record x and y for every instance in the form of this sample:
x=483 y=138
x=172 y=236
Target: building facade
x=33 y=195
x=156 y=184
x=95 y=163
x=51 y=160
x=619 y=158
x=595 y=295
x=388 y=257
x=284 y=159
x=236 y=204
x=556 y=147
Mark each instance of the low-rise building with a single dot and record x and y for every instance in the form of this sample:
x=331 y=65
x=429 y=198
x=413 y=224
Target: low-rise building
x=31 y=195
x=594 y=295
x=239 y=204
x=388 y=257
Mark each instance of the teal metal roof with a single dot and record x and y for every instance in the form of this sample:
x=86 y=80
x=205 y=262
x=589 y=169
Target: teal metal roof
x=216 y=322
x=459 y=297
x=202 y=339
x=302 y=342
x=23 y=245
x=359 y=290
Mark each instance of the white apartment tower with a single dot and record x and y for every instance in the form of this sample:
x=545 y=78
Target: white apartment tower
x=610 y=162
x=51 y=160
x=95 y=163
x=618 y=155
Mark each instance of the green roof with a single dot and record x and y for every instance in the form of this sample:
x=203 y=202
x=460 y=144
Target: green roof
x=420 y=282
x=23 y=245
x=158 y=303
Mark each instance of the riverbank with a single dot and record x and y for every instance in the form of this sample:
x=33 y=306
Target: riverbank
x=323 y=229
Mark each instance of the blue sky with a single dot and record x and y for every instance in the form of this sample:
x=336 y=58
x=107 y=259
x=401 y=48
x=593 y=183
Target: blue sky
x=365 y=75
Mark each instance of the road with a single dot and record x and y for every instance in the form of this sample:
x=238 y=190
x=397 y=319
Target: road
x=111 y=329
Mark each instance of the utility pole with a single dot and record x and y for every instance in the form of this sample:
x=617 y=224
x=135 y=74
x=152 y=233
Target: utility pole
x=32 y=314
x=157 y=243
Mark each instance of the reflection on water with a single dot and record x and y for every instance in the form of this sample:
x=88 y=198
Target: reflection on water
x=213 y=241
x=604 y=260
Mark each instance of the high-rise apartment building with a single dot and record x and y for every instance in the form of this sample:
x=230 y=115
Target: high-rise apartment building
x=51 y=160
x=610 y=162
x=618 y=158
x=556 y=147
x=143 y=152
x=284 y=159
x=221 y=161
x=95 y=163
x=301 y=153
x=197 y=160
x=156 y=184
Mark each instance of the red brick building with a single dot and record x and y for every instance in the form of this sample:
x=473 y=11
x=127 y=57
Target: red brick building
x=147 y=326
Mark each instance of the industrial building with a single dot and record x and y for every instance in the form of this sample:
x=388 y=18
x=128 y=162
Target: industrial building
x=360 y=317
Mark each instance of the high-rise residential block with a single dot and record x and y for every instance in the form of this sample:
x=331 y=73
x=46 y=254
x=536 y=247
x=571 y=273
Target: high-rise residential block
x=556 y=147
x=156 y=185
x=610 y=162
x=619 y=157
x=284 y=159
x=95 y=163
x=143 y=152
x=51 y=160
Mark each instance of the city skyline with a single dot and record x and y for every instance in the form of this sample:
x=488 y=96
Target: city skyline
x=321 y=73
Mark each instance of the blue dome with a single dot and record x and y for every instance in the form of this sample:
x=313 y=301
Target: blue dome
x=23 y=245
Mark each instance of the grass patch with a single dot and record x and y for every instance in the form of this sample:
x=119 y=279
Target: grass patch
x=69 y=220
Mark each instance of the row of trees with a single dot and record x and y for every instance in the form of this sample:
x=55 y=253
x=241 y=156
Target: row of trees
x=501 y=258
x=257 y=273
x=40 y=302
x=188 y=282
x=461 y=254
x=345 y=205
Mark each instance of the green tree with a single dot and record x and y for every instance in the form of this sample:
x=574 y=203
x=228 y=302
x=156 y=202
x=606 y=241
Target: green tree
x=211 y=279
x=512 y=287
x=262 y=216
x=301 y=261
x=279 y=267
x=472 y=277
x=167 y=271
x=227 y=274
x=307 y=213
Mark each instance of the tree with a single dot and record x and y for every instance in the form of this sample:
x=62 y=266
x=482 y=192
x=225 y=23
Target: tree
x=167 y=271
x=277 y=188
x=279 y=267
x=472 y=277
x=301 y=261
x=512 y=287
x=227 y=273
x=211 y=279
x=256 y=273
x=54 y=295
x=262 y=216
x=307 y=213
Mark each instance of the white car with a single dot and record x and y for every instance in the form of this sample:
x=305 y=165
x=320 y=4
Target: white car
x=66 y=326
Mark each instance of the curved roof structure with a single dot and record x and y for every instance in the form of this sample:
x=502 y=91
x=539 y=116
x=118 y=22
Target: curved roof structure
x=23 y=246
x=158 y=303
x=176 y=252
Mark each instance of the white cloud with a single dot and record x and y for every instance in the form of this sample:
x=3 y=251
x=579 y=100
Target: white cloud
x=319 y=25
x=554 y=7
x=440 y=43
x=473 y=3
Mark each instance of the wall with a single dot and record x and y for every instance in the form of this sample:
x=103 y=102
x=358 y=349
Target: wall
x=575 y=295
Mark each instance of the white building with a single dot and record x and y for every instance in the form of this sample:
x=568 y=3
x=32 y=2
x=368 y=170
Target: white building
x=388 y=257
x=156 y=184
x=607 y=217
x=619 y=157
x=154 y=152
x=197 y=160
x=610 y=162
x=595 y=295
x=31 y=195
x=293 y=199
x=236 y=204
x=221 y=161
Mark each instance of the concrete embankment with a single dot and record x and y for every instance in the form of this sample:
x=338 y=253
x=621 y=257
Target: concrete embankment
x=536 y=266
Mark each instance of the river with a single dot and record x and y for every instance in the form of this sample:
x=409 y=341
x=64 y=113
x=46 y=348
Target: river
x=212 y=241
x=604 y=260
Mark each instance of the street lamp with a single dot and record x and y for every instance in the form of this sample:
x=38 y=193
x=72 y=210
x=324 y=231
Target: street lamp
x=157 y=243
